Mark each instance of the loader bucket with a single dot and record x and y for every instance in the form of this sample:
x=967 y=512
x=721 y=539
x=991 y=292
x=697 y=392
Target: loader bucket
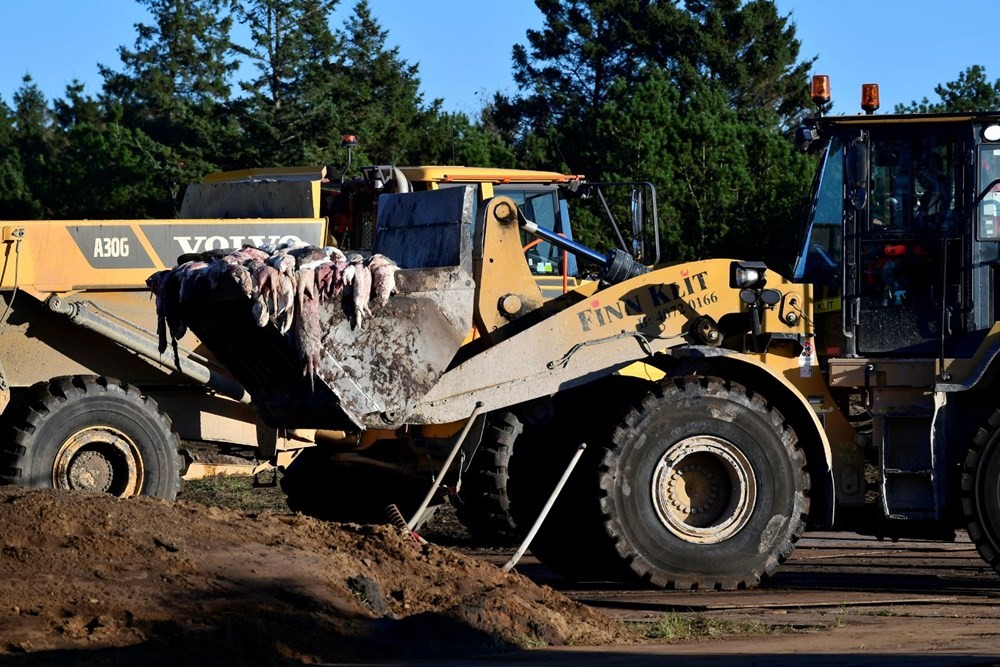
x=371 y=373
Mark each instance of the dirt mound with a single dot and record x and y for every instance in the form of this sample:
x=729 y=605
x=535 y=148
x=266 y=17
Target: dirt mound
x=141 y=581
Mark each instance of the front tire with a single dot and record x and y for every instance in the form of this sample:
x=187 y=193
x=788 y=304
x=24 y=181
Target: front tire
x=703 y=486
x=980 y=492
x=92 y=434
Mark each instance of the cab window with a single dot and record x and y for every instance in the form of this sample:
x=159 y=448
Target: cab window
x=989 y=186
x=820 y=257
x=913 y=184
x=542 y=206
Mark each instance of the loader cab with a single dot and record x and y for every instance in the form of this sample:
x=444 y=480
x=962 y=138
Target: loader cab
x=565 y=204
x=902 y=237
x=352 y=205
x=538 y=194
x=352 y=208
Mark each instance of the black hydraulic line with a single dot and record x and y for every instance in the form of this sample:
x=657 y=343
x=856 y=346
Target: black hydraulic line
x=611 y=218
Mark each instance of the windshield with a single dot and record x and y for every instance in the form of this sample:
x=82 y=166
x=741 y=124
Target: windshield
x=540 y=204
x=543 y=207
x=820 y=256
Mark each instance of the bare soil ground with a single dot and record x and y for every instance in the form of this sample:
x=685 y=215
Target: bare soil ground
x=235 y=579
x=90 y=579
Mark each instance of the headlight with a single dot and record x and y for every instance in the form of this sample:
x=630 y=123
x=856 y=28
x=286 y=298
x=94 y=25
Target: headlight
x=747 y=275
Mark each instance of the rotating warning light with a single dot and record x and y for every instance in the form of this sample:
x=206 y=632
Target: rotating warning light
x=820 y=91
x=869 y=97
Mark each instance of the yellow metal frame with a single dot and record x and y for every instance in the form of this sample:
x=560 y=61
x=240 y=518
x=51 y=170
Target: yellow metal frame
x=452 y=174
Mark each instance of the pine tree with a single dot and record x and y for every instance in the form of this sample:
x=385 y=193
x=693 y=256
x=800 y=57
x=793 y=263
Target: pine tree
x=179 y=67
x=105 y=167
x=568 y=71
x=972 y=91
x=173 y=88
x=454 y=138
x=383 y=105
x=33 y=139
x=678 y=94
x=748 y=49
x=16 y=201
x=291 y=112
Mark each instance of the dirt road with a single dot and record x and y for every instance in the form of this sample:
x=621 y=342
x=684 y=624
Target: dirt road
x=848 y=599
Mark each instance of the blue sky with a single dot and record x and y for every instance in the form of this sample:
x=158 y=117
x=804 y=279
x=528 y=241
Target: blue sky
x=463 y=46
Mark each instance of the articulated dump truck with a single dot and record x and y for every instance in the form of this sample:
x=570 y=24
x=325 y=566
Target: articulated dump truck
x=725 y=407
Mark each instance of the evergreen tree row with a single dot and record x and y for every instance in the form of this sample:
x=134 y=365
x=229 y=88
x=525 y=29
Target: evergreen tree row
x=698 y=97
x=170 y=112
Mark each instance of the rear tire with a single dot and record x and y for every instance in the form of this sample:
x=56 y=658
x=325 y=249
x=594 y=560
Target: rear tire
x=571 y=541
x=93 y=434
x=980 y=491
x=483 y=505
x=703 y=486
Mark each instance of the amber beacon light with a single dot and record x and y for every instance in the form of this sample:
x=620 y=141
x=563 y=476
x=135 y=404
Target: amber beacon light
x=869 y=97
x=820 y=92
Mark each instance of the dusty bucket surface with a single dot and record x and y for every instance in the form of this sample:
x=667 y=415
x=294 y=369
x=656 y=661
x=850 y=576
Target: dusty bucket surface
x=368 y=370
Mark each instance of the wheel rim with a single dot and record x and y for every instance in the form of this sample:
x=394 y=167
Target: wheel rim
x=704 y=489
x=99 y=458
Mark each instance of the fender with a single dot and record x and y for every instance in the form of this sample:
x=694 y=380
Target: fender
x=975 y=372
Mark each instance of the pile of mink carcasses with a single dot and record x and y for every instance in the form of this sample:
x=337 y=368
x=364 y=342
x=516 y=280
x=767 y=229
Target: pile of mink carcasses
x=286 y=285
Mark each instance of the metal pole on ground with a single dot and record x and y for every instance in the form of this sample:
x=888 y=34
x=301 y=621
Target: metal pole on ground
x=444 y=469
x=545 y=510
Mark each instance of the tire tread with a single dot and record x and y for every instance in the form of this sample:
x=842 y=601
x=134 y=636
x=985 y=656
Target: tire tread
x=711 y=387
x=43 y=400
x=985 y=445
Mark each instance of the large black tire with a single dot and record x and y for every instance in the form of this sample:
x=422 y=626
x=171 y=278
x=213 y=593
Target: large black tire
x=317 y=486
x=704 y=486
x=980 y=491
x=483 y=504
x=94 y=434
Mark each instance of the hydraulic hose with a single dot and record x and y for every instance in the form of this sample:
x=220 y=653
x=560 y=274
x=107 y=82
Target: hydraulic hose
x=616 y=266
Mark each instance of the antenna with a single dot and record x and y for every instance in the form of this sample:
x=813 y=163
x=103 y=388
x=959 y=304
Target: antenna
x=347 y=141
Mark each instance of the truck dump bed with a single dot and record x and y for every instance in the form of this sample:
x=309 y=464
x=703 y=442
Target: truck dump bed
x=369 y=370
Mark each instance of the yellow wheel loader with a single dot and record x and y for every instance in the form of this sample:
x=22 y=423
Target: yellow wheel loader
x=400 y=387
x=725 y=407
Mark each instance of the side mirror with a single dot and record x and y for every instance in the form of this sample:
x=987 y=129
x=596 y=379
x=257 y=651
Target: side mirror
x=857 y=164
x=860 y=198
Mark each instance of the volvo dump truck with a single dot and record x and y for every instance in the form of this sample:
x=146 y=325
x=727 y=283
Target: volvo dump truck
x=856 y=394
x=89 y=400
